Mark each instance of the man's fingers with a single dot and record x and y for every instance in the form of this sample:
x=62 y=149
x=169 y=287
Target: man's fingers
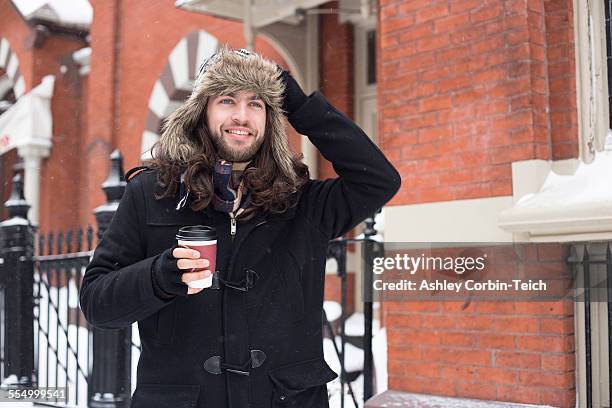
x=193 y=276
x=192 y=263
x=188 y=253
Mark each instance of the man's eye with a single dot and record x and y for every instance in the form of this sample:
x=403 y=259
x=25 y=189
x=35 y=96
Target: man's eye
x=226 y=100
x=256 y=105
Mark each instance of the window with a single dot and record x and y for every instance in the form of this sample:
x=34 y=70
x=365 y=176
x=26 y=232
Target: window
x=592 y=54
x=371 y=57
x=608 y=7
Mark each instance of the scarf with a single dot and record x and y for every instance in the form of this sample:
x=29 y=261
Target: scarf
x=227 y=198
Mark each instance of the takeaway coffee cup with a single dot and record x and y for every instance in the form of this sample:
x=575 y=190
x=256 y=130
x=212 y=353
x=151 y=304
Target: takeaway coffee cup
x=204 y=240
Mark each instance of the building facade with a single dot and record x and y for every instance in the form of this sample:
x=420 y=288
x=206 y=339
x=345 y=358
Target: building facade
x=479 y=104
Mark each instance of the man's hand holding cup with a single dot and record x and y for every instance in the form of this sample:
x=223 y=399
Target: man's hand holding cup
x=187 y=268
x=194 y=269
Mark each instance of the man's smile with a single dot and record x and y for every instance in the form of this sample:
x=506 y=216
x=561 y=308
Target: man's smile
x=241 y=134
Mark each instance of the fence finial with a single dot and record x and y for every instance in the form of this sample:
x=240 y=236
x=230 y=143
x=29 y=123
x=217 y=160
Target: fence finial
x=16 y=205
x=115 y=183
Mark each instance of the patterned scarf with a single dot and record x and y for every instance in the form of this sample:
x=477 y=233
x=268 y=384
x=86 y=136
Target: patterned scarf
x=228 y=198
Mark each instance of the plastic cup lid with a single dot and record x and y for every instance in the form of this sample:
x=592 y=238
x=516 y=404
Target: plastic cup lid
x=197 y=233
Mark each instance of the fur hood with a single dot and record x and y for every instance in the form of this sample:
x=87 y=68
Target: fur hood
x=225 y=72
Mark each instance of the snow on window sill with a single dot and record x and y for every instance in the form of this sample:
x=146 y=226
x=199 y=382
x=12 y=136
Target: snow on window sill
x=567 y=207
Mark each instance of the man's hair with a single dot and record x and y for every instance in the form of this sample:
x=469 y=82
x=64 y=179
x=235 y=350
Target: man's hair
x=271 y=188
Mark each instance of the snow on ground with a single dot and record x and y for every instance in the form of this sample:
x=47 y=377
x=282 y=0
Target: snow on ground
x=77 y=342
x=354 y=362
x=410 y=400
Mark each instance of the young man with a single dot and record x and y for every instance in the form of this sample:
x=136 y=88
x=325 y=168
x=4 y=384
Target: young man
x=223 y=161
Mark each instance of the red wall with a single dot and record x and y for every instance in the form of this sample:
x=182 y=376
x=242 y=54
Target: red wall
x=465 y=88
x=335 y=70
x=562 y=78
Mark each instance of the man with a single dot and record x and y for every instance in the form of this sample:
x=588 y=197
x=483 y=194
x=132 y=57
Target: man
x=223 y=161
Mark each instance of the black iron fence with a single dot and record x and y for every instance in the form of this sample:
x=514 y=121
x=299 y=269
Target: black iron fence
x=592 y=264
x=45 y=340
x=62 y=335
x=338 y=250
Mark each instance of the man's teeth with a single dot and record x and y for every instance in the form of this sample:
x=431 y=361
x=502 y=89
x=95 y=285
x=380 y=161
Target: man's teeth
x=238 y=132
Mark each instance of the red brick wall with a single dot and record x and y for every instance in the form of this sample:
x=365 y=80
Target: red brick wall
x=513 y=351
x=61 y=171
x=97 y=137
x=562 y=77
x=504 y=351
x=464 y=91
x=465 y=88
x=16 y=31
x=335 y=70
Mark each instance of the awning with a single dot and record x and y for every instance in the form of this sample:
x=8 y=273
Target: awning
x=29 y=120
x=262 y=12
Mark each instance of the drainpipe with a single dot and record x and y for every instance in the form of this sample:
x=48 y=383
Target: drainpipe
x=249 y=31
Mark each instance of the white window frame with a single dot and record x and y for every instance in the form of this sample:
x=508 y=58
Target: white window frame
x=362 y=89
x=591 y=76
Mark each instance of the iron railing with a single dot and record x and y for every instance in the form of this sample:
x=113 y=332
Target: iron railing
x=594 y=262
x=62 y=335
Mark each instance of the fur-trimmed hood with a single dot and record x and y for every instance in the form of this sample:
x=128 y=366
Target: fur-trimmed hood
x=225 y=72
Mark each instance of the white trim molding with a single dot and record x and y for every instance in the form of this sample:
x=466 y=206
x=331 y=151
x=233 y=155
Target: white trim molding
x=591 y=76
x=568 y=206
x=472 y=220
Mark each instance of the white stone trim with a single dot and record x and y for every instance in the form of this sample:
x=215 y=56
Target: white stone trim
x=207 y=46
x=563 y=202
x=32 y=155
x=83 y=58
x=148 y=140
x=178 y=61
x=10 y=63
x=4 y=49
x=12 y=66
x=159 y=100
x=472 y=220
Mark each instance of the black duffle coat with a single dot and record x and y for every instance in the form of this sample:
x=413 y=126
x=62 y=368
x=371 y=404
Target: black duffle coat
x=266 y=341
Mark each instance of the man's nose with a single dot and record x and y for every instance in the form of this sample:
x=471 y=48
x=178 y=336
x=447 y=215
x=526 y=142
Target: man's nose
x=240 y=114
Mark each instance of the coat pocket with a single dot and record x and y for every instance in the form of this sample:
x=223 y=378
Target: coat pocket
x=302 y=384
x=165 y=396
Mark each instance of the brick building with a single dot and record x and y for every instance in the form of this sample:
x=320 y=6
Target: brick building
x=477 y=103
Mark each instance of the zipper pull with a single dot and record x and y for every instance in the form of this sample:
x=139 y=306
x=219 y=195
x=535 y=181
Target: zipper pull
x=232 y=226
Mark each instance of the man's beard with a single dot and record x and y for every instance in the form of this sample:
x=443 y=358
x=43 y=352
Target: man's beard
x=229 y=153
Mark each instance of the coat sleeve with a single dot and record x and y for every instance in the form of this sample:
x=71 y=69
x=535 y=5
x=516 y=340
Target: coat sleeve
x=367 y=179
x=117 y=288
